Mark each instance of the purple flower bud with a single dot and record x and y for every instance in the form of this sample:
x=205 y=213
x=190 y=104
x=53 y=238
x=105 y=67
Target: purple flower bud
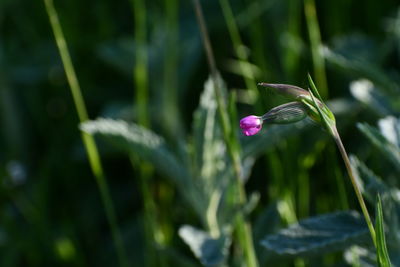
x=251 y=125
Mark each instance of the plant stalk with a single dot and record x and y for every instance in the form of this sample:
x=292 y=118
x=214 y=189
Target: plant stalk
x=141 y=100
x=316 y=46
x=243 y=228
x=88 y=140
x=356 y=187
x=239 y=50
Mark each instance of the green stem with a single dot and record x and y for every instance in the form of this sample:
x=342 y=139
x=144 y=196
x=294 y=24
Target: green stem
x=356 y=187
x=141 y=100
x=239 y=49
x=170 y=106
x=140 y=74
x=243 y=228
x=316 y=46
x=88 y=140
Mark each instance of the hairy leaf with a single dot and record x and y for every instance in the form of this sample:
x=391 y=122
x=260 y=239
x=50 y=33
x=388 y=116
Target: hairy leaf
x=390 y=129
x=366 y=92
x=362 y=68
x=210 y=150
x=370 y=183
x=388 y=149
x=360 y=256
x=317 y=235
x=210 y=251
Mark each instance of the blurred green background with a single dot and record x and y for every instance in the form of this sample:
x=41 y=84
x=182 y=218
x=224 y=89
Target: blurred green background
x=51 y=212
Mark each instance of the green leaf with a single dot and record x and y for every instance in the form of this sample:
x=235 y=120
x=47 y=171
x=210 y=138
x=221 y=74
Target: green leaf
x=210 y=251
x=390 y=129
x=382 y=253
x=132 y=138
x=318 y=234
x=268 y=216
x=313 y=87
x=388 y=149
x=360 y=256
x=362 y=68
x=370 y=183
x=137 y=140
x=212 y=169
x=210 y=149
x=325 y=122
x=366 y=92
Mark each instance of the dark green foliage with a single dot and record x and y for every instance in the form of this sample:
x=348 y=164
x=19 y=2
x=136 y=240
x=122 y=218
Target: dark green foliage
x=178 y=167
x=210 y=251
x=317 y=235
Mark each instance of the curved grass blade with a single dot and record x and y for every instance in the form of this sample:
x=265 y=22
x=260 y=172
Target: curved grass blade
x=382 y=253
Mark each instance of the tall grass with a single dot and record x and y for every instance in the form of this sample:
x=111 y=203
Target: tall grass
x=88 y=141
x=141 y=106
x=189 y=188
x=243 y=228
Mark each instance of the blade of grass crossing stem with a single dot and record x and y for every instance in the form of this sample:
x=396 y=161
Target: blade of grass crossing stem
x=313 y=87
x=141 y=62
x=256 y=34
x=291 y=58
x=316 y=45
x=382 y=253
x=243 y=228
x=171 y=114
x=257 y=31
x=90 y=145
x=140 y=77
x=240 y=50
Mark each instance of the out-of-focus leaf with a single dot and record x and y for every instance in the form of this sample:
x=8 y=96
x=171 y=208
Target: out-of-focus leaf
x=389 y=150
x=210 y=251
x=210 y=150
x=364 y=69
x=135 y=139
x=266 y=223
x=382 y=253
x=371 y=186
x=356 y=46
x=370 y=183
x=390 y=129
x=269 y=216
x=365 y=92
x=212 y=168
x=244 y=69
x=317 y=235
x=359 y=256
